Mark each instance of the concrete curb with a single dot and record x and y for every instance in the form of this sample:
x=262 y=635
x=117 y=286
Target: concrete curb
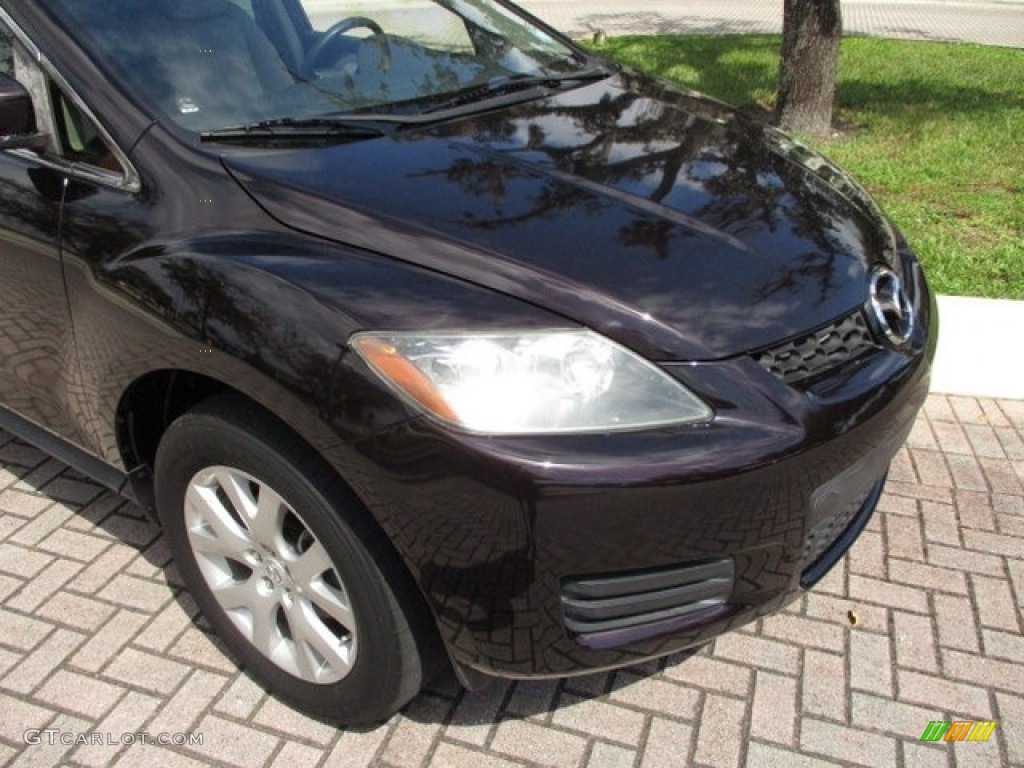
x=980 y=352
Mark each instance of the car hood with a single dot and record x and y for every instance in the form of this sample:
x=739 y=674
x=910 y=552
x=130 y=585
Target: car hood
x=659 y=217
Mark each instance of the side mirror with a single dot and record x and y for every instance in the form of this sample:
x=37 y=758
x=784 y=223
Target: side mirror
x=17 y=117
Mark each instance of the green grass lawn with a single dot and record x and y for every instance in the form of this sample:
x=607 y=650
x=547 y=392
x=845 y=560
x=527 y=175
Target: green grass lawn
x=934 y=130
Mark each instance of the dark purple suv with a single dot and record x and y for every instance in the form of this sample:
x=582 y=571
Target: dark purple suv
x=430 y=337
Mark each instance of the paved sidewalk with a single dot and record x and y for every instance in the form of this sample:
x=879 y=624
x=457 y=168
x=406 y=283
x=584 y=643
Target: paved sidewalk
x=921 y=621
x=976 y=21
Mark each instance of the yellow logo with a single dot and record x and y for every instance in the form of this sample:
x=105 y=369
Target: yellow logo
x=958 y=730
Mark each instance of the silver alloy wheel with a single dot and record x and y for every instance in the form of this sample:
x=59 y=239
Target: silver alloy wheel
x=270 y=574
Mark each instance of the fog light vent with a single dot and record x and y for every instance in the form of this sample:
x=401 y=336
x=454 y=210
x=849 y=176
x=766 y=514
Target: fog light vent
x=833 y=534
x=602 y=603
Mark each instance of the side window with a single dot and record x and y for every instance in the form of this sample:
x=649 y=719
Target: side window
x=80 y=138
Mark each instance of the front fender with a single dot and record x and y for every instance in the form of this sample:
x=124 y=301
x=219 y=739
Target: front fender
x=268 y=314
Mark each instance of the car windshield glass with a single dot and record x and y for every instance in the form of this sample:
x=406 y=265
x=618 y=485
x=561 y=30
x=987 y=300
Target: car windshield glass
x=214 y=64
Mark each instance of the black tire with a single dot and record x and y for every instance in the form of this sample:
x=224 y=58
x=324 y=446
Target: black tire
x=300 y=617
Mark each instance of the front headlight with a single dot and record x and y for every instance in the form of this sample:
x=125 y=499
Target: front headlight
x=529 y=382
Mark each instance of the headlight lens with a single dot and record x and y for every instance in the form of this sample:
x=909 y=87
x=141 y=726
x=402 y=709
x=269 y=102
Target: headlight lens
x=531 y=382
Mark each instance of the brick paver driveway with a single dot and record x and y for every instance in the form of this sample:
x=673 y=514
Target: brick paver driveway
x=921 y=622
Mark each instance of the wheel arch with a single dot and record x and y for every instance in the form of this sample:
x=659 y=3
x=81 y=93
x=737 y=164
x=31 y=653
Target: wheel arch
x=155 y=400
x=149 y=405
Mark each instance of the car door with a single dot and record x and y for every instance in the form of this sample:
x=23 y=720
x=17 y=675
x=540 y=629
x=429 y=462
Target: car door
x=36 y=341
x=70 y=196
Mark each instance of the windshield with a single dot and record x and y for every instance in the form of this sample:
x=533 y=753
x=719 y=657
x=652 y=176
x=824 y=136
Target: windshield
x=209 y=64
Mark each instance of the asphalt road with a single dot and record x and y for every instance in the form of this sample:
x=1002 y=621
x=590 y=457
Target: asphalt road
x=976 y=21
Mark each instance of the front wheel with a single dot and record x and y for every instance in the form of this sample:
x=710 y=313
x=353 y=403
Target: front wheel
x=282 y=563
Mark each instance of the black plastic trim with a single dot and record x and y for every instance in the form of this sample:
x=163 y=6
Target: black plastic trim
x=612 y=607
x=648 y=581
x=602 y=603
x=67 y=452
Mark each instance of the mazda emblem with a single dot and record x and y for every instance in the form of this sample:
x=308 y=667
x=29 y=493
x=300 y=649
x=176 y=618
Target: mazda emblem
x=891 y=307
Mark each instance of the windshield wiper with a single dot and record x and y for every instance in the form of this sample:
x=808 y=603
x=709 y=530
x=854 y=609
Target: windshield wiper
x=557 y=79
x=356 y=126
x=347 y=128
x=516 y=88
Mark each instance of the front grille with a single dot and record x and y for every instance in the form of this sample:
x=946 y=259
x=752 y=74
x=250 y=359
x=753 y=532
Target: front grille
x=819 y=352
x=603 y=603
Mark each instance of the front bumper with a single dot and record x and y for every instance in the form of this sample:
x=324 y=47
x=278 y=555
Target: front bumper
x=501 y=533
x=556 y=555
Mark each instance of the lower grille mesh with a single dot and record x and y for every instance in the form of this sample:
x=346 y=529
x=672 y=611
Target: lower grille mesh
x=830 y=538
x=824 y=533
